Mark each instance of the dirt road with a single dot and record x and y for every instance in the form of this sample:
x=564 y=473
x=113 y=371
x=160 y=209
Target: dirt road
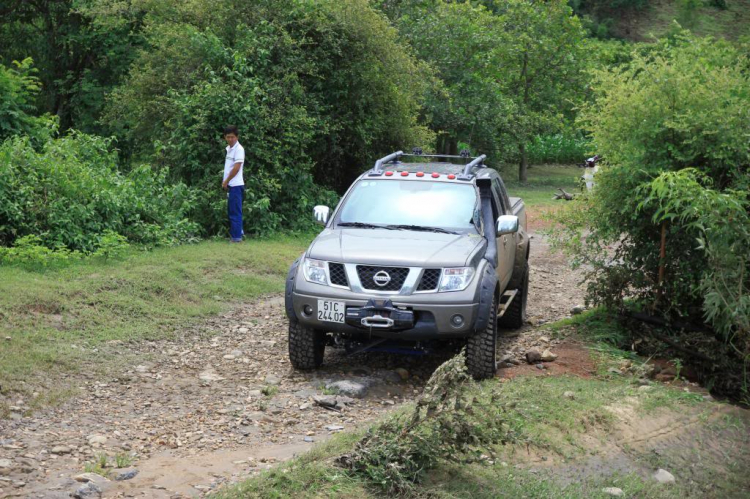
x=223 y=402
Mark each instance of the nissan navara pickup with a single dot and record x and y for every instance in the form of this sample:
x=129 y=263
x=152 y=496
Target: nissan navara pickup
x=420 y=251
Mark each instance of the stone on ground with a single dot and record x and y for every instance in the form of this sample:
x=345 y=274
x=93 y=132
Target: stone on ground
x=548 y=356
x=349 y=388
x=90 y=477
x=403 y=373
x=87 y=491
x=125 y=474
x=533 y=356
x=612 y=491
x=97 y=439
x=664 y=476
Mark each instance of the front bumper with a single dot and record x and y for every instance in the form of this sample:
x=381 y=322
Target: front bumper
x=430 y=313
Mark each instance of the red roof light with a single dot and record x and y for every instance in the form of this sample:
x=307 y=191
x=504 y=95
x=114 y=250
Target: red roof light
x=435 y=175
x=388 y=174
x=404 y=174
x=451 y=176
x=420 y=174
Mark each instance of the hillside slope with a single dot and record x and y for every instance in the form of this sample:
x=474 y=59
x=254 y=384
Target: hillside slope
x=655 y=20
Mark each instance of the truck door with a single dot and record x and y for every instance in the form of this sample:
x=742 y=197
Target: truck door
x=506 y=245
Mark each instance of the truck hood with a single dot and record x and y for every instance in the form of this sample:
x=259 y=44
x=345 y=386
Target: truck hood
x=395 y=247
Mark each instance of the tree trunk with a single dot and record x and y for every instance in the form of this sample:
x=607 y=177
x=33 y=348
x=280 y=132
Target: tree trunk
x=447 y=144
x=524 y=165
x=453 y=146
x=440 y=146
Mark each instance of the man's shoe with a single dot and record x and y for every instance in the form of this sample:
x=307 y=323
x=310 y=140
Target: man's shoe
x=235 y=240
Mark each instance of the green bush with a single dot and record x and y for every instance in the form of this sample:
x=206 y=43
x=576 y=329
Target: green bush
x=29 y=251
x=719 y=222
x=69 y=194
x=682 y=104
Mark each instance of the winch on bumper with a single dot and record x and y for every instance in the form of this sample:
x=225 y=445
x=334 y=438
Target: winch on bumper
x=408 y=317
x=380 y=314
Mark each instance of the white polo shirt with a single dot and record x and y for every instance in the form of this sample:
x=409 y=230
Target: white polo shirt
x=235 y=154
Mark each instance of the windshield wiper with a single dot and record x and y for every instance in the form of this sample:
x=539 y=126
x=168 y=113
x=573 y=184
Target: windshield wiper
x=423 y=228
x=363 y=225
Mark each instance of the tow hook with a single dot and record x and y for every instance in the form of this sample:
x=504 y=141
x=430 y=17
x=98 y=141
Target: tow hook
x=377 y=321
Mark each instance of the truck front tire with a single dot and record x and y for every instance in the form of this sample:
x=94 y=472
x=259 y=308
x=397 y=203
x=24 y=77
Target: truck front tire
x=480 y=349
x=306 y=346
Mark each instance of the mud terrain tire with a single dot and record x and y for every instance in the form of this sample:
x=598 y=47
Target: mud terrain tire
x=306 y=346
x=480 y=349
x=515 y=316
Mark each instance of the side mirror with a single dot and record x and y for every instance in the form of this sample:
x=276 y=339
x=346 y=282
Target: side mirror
x=321 y=214
x=507 y=224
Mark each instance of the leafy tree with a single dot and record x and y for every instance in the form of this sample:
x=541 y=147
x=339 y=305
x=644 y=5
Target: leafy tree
x=80 y=55
x=18 y=88
x=542 y=68
x=464 y=44
x=315 y=88
x=510 y=69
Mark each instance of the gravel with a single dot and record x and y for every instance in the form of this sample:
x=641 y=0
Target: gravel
x=200 y=396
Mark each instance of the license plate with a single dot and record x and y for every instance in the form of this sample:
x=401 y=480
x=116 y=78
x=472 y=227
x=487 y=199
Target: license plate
x=331 y=311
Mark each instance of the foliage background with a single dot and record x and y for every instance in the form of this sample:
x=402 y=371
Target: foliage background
x=672 y=124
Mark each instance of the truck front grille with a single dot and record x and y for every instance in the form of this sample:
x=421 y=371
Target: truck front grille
x=430 y=280
x=338 y=274
x=367 y=274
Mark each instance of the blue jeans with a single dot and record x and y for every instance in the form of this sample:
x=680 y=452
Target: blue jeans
x=234 y=207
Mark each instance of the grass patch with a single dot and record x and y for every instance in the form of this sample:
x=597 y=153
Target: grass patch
x=61 y=319
x=309 y=475
x=98 y=465
x=543 y=182
x=269 y=390
x=123 y=460
x=490 y=482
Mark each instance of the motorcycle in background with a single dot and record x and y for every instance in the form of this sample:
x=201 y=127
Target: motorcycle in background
x=590 y=167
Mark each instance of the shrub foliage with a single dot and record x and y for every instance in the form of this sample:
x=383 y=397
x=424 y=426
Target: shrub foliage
x=446 y=424
x=673 y=126
x=70 y=194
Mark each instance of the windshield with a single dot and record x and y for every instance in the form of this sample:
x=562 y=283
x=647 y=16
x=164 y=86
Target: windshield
x=444 y=205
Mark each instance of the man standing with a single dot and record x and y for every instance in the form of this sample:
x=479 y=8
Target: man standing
x=233 y=182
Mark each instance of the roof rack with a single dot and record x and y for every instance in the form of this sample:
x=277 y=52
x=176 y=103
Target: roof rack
x=391 y=158
x=478 y=161
x=394 y=158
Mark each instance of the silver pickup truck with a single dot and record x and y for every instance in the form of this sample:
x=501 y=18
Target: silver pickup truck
x=416 y=251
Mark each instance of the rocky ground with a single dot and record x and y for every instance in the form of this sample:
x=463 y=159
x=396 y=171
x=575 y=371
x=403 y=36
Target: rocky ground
x=223 y=402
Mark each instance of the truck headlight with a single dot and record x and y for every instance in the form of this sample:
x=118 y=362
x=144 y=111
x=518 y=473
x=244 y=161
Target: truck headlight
x=315 y=271
x=456 y=279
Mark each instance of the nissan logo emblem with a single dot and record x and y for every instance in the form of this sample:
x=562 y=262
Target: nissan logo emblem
x=381 y=278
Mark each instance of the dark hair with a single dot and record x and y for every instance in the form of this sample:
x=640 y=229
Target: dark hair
x=231 y=129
